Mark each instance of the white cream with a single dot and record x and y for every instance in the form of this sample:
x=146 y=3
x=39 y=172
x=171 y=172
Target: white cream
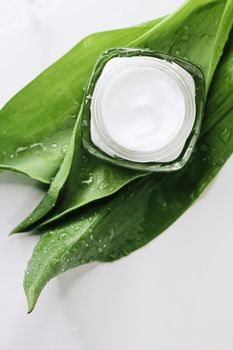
x=142 y=109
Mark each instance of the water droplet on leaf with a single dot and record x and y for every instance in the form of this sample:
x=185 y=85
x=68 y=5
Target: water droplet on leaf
x=225 y=136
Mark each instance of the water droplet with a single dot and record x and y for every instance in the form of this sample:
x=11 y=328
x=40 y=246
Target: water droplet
x=205 y=37
x=38 y=144
x=64 y=149
x=88 y=181
x=84 y=158
x=55 y=260
x=225 y=135
x=193 y=196
x=63 y=235
x=102 y=186
x=21 y=149
x=88 y=98
x=185 y=37
x=221 y=161
x=203 y=148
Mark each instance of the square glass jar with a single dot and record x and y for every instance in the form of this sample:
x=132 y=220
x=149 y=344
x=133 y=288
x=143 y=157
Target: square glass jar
x=190 y=143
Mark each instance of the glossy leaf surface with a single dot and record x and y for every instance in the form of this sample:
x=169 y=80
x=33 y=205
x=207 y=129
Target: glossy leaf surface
x=118 y=225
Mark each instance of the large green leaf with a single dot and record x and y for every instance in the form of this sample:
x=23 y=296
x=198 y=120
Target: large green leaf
x=83 y=164
x=186 y=33
x=118 y=225
x=37 y=124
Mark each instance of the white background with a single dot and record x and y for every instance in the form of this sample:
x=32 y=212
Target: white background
x=174 y=294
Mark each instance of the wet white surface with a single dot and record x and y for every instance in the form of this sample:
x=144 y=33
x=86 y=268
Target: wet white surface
x=176 y=293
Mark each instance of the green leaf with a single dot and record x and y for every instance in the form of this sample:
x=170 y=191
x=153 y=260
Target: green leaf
x=37 y=124
x=186 y=33
x=118 y=225
x=82 y=163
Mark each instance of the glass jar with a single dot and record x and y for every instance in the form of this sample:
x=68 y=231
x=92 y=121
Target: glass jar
x=174 y=154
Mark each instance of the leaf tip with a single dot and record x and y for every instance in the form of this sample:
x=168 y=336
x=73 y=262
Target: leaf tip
x=30 y=309
x=31 y=300
x=13 y=232
x=31 y=294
